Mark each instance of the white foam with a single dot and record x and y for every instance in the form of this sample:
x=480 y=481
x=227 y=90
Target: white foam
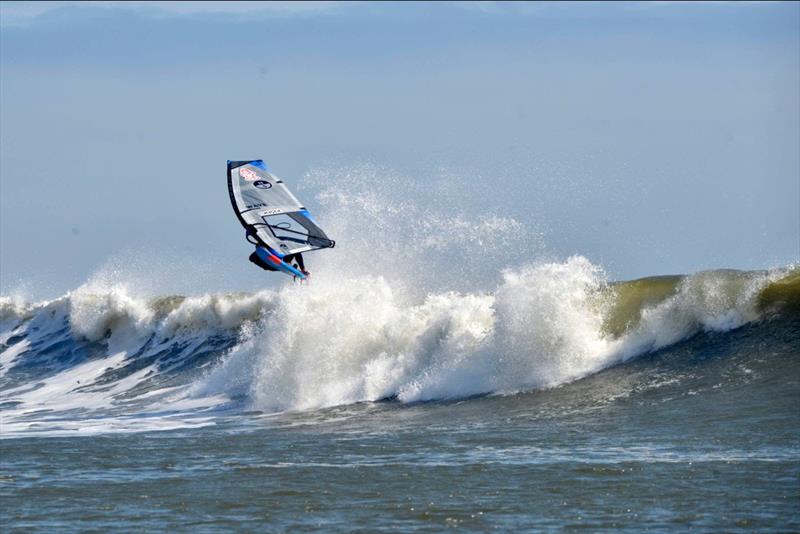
x=63 y=391
x=341 y=341
x=707 y=301
x=216 y=311
x=96 y=312
x=93 y=426
x=8 y=357
x=350 y=337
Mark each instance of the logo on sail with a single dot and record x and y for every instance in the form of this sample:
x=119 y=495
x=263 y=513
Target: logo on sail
x=262 y=184
x=248 y=174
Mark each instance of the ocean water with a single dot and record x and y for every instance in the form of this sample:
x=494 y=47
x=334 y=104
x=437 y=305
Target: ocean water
x=445 y=393
x=556 y=401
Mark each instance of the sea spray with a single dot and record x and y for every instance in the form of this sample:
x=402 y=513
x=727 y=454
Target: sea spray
x=104 y=353
x=550 y=319
x=414 y=234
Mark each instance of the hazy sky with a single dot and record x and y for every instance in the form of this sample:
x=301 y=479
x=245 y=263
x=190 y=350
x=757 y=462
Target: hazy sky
x=652 y=138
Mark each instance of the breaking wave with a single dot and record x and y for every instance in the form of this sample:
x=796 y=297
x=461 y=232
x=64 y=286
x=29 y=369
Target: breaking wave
x=101 y=359
x=108 y=357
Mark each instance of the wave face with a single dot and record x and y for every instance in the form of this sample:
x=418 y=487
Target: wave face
x=100 y=359
x=110 y=357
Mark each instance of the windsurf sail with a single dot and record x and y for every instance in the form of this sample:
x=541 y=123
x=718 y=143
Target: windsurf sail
x=271 y=214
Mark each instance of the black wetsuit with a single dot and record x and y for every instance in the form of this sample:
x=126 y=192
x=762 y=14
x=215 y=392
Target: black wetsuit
x=289 y=258
x=258 y=261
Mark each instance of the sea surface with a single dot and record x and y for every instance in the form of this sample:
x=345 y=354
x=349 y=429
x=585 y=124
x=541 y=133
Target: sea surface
x=557 y=400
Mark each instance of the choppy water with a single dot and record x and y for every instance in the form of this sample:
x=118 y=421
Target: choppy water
x=555 y=401
x=440 y=393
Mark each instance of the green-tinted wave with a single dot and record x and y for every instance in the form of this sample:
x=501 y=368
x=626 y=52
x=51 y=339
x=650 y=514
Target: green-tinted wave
x=629 y=298
x=782 y=295
x=750 y=294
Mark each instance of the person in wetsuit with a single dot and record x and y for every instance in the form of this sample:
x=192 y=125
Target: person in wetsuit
x=299 y=263
x=258 y=261
x=289 y=258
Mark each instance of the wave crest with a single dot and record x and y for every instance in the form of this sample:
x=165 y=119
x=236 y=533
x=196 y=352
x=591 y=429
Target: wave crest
x=345 y=340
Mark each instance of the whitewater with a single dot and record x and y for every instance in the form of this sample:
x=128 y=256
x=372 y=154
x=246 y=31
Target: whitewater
x=109 y=357
x=416 y=383
x=100 y=359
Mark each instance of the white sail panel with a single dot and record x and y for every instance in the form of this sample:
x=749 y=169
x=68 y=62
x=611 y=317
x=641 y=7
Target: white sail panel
x=270 y=213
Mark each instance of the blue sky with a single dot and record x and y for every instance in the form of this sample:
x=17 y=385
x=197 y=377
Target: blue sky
x=652 y=138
